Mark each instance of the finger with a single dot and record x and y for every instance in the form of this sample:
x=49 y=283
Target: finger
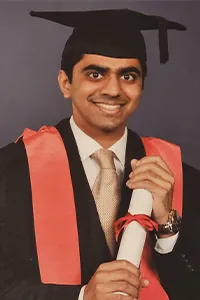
x=131 y=174
x=151 y=177
x=119 y=264
x=121 y=286
x=148 y=185
x=144 y=283
x=134 y=161
x=114 y=296
x=154 y=169
x=118 y=275
x=155 y=159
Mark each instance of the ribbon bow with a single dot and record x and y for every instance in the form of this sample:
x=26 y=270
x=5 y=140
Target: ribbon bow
x=144 y=220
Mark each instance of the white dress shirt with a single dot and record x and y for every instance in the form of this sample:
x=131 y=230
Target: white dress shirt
x=86 y=146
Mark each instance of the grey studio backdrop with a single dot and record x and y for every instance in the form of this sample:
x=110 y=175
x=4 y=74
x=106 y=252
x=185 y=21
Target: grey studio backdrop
x=30 y=51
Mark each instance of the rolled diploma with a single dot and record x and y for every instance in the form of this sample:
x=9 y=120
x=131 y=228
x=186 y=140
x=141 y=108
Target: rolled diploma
x=134 y=235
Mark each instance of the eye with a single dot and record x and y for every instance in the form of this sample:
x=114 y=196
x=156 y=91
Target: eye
x=95 y=75
x=129 y=77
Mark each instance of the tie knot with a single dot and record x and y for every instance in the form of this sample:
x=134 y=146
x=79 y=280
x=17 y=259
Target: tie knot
x=104 y=158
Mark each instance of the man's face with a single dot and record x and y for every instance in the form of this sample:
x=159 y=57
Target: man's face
x=105 y=91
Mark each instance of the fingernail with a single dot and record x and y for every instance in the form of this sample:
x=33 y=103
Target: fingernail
x=134 y=161
x=146 y=282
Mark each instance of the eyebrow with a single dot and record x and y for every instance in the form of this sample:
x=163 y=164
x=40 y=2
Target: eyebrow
x=103 y=70
x=96 y=68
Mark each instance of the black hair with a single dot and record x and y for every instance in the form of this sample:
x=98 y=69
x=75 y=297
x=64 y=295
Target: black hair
x=69 y=61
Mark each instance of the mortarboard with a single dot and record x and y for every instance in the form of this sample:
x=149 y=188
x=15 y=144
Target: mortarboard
x=114 y=33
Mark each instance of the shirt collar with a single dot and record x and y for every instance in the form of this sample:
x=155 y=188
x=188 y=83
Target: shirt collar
x=87 y=145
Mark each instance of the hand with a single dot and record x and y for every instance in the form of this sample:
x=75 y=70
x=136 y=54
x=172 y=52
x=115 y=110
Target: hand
x=152 y=173
x=115 y=276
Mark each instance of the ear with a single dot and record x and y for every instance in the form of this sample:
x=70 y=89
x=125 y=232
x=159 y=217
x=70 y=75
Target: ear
x=65 y=85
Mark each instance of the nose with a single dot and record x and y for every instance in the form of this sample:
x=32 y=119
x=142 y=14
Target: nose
x=111 y=87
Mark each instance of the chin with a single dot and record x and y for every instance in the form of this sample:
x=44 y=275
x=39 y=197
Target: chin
x=110 y=127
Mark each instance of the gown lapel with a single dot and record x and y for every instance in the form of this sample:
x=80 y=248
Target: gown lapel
x=92 y=242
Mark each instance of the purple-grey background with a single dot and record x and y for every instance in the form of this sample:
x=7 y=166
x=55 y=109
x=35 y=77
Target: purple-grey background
x=30 y=51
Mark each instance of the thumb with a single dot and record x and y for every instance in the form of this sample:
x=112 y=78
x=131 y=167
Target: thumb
x=144 y=283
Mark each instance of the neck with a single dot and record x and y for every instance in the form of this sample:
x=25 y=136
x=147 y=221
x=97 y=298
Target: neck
x=105 y=138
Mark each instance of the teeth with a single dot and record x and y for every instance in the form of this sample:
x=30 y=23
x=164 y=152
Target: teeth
x=108 y=106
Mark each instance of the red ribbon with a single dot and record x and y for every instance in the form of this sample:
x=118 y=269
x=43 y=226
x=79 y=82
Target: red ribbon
x=144 y=220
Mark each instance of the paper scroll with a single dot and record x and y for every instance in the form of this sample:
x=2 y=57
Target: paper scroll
x=134 y=235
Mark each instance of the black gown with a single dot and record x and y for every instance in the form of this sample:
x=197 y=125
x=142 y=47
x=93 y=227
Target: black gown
x=179 y=271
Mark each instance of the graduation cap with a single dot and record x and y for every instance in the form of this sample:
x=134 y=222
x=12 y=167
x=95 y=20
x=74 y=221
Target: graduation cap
x=114 y=33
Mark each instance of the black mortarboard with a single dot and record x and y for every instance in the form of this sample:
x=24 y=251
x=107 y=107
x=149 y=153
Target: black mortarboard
x=114 y=33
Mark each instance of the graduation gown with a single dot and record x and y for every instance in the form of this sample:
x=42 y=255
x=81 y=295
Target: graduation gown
x=179 y=270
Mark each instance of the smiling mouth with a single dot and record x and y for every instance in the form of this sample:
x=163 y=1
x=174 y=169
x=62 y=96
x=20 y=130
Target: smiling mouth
x=110 y=108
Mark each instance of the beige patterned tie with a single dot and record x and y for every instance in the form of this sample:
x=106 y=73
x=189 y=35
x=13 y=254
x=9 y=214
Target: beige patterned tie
x=106 y=192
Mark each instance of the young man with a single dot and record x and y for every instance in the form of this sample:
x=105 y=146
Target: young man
x=103 y=69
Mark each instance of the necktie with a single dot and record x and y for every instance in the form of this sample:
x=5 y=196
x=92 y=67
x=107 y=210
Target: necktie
x=106 y=192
